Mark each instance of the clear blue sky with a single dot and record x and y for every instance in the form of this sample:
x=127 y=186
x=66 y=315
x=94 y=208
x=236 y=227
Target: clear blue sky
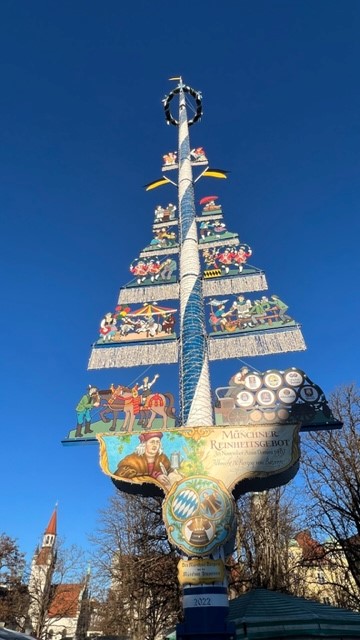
x=82 y=130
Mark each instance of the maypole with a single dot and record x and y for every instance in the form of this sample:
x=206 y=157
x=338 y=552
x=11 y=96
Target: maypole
x=247 y=438
x=195 y=394
x=194 y=379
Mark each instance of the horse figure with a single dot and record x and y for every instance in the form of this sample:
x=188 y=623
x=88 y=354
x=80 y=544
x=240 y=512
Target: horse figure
x=131 y=402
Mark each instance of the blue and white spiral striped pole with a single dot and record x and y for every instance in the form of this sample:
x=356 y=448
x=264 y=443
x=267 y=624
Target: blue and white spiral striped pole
x=195 y=394
x=205 y=606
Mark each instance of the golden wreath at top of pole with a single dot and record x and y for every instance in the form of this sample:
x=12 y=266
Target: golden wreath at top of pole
x=194 y=94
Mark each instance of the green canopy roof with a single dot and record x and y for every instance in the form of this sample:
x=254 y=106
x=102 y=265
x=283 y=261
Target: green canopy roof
x=10 y=634
x=261 y=614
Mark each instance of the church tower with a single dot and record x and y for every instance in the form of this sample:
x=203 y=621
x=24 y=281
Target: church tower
x=42 y=569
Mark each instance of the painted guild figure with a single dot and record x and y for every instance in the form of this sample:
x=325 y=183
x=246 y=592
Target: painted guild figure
x=148 y=462
x=163 y=238
x=146 y=386
x=210 y=258
x=259 y=309
x=139 y=269
x=166 y=238
x=170 y=211
x=241 y=255
x=205 y=229
x=281 y=309
x=151 y=327
x=218 y=228
x=151 y=269
x=225 y=258
x=198 y=155
x=83 y=411
x=154 y=269
x=217 y=314
x=137 y=403
x=210 y=229
x=127 y=326
x=238 y=316
x=139 y=324
x=156 y=241
x=229 y=258
x=239 y=378
x=126 y=399
x=165 y=214
x=108 y=327
x=169 y=323
x=170 y=158
x=241 y=307
x=211 y=207
x=167 y=268
x=159 y=213
x=244 y=313
x=267 y=311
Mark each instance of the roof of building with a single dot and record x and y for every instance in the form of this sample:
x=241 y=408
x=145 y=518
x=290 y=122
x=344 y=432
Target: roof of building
x=311 y=549
x=51 y=528
x=44 y=556
x=65 y=601
x=269 y=614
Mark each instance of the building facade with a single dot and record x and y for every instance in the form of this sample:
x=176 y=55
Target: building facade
x=320 y=571
x=56 y=611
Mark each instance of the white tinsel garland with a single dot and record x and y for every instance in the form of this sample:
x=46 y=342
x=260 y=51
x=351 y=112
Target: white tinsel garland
x=256 y=344
x=134 y=355
x=219 y=243
x=236 y=284
x=147 y=294
x=159 y=252
x=209 y=216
